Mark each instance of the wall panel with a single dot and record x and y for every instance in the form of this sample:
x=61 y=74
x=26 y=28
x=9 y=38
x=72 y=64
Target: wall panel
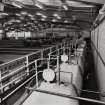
x=99 y=58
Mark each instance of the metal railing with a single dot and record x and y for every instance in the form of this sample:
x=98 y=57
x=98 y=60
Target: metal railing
x=34 y=76
x=35 y=63
x=9 y=70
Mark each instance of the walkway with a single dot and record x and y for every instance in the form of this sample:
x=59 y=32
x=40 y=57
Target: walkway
x=90 y=80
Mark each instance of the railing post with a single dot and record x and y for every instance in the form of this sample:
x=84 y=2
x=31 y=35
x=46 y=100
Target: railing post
x=64 y=50
x=69 y=53
x=61 y=45
x=1 y=83
x=36 y=73
x=42 y=54
x=49 y=57
x=27 y=64
x=57 y=49
x=64 y=44
x=50 y=49
x=58 y=70
x=67 y=44
x=48 y=63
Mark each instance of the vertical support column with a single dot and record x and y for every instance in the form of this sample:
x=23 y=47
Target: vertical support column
x=42 y=57
x=48 y=62
x=27 y=64
x=50 y=49
x=57 y=49
x=64 y=50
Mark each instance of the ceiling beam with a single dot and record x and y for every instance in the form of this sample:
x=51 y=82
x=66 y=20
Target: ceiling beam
x=88 y=2
x=84 y=21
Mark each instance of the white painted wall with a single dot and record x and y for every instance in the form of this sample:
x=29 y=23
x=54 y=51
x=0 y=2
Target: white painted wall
x=98 y=38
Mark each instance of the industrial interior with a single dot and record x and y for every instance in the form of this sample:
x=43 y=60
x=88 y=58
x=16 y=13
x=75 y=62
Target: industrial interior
x=52 y=52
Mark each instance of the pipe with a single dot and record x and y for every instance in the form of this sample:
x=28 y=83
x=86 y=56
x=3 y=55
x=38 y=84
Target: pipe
x=19 y=87
x=70 y=96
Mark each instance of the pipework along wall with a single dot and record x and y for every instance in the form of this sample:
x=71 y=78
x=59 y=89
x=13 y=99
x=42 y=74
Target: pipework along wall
x=98 y=45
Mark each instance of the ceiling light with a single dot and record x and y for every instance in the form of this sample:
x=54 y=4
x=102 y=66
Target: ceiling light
x=65 y=7
x=19 y=0
x=38 y=13
x=43 y=16
x=57 y=16
x=39 y=5
x=30 y=15
x=54 y=20
x=3 y=13
x=18 y=14
x=25 y=24
x=23 y=13
x=18 y=21
x=65 y=21
x=12 y=28
x=16 y=5
x=43 y=19
x=32 y=18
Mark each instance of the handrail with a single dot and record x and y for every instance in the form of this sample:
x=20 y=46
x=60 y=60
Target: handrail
x=27 y=67
x=11 y=73
x=25 y=81
x=12 y=60
x=24 y=56
x=12 y=81
x=58 y=55
x=25 y=64
x=19 y=87
x=69 y=96
x=59 y=49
